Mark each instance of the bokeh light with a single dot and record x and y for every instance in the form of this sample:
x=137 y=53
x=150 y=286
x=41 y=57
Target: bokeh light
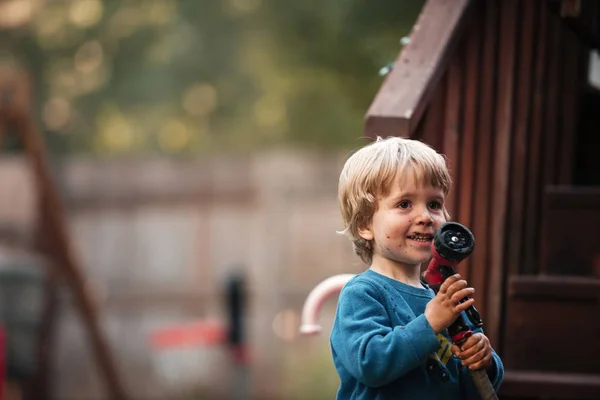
x=286 y=324
x=85 y=13
x=56 y=113
x=200 y=99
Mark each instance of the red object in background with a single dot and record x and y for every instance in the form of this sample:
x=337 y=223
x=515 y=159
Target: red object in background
x=200 y=333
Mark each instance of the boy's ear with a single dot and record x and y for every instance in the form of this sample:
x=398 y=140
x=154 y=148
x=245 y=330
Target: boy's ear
x=365 y=233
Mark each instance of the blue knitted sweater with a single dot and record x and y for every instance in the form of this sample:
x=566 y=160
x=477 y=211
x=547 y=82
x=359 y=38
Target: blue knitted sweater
x=384 y=348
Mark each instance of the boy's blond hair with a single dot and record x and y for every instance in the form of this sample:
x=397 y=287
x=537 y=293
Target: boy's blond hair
x=368 y=174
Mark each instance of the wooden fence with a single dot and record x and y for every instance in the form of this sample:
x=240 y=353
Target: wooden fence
x=158 y=239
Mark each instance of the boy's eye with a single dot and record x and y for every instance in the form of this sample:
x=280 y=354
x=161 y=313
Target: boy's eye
x=404 y=204
x=435 y=205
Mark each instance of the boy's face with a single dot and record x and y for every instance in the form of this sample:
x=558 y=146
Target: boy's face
x=406 y=219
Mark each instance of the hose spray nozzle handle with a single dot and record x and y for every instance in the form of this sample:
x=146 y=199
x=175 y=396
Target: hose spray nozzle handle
x=452 y=243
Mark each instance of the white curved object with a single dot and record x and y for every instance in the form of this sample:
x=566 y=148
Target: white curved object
x=315 y=300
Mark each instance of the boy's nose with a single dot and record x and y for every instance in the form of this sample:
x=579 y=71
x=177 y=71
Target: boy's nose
x=424 y=217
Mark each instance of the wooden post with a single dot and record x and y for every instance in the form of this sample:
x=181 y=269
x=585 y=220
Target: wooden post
x=14 y=109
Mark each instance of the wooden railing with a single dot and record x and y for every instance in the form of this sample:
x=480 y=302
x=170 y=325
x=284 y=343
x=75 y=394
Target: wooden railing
x=405 y=94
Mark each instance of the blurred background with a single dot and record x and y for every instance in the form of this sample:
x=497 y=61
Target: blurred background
x=168 y=184
x=196 y=145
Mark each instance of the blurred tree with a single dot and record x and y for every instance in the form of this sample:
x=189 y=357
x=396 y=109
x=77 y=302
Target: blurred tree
x=191 y=76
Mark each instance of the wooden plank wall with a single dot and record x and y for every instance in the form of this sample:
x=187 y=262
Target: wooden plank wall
x=505 y=114
x=538 y=305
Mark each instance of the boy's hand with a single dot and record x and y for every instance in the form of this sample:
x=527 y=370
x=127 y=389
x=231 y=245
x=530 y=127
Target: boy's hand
x=476 y=352
x=444 y=308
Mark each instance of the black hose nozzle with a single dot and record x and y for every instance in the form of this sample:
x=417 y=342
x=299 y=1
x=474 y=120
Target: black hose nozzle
x=452 y=243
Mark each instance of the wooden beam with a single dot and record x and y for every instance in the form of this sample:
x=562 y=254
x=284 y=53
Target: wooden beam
x=471 y=106
x=15 y=112
x=504 y=118
x=574 y=77
x=405 y=94
x=520 y=151
x=484 y=152
x=452 y=129
x=432 y=127
x=569 y=213
x=530 y=255
x=561 y=196
x=555 y=287
x=550 y=385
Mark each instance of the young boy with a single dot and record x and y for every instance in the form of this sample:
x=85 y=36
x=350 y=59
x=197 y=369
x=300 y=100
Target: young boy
x=389 y=339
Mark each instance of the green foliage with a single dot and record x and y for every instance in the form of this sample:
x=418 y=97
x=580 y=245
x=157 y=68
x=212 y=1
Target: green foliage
x=190 y=76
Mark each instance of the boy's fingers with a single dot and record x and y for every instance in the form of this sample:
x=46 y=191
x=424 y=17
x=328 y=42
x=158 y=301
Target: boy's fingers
x=449 y=281
x=460 y=307
x=473 y=340
x=456 y=286
x=470 y=348
x=484 y=363
x=461 y=294
x=455 y=350
x=475 y=358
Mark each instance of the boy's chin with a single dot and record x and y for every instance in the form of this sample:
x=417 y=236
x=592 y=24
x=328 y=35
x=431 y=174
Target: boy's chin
x=423 y=259
x=416 y=261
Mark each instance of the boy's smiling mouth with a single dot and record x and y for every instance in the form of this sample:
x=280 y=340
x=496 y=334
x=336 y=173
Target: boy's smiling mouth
x=421 y=237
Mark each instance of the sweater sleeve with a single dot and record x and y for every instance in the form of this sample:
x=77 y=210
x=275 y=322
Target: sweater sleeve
x=373 y=351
